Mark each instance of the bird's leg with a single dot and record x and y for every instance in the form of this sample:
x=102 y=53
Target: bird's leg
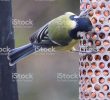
x=73 y=49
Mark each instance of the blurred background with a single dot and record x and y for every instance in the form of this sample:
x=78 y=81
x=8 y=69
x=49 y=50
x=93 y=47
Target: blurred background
x=28 y=16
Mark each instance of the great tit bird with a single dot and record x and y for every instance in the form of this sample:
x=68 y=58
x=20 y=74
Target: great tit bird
x=58 y=32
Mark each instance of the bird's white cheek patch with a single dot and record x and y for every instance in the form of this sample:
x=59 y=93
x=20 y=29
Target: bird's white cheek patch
x=74 y=24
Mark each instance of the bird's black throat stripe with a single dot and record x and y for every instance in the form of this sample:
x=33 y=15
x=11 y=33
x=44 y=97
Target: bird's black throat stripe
x=73 y=34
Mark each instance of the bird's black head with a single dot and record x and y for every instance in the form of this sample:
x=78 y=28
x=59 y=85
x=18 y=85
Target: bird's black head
x=83 y=25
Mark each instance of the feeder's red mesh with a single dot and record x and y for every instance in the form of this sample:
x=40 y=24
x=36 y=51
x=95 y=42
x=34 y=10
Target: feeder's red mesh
x=95 y=68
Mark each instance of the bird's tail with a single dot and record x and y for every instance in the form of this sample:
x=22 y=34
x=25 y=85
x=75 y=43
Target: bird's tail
x=17 y=54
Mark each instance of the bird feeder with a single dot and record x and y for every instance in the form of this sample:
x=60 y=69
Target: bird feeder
x=95 y=68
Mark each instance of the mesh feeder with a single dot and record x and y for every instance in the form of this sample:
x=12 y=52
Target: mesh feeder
x=95 y=67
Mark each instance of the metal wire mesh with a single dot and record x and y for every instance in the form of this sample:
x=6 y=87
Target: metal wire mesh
x=95 y=68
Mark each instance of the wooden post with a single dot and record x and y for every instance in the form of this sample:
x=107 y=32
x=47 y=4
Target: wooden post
x=8 y=87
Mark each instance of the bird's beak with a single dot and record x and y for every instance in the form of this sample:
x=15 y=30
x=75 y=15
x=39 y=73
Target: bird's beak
x=85 y=12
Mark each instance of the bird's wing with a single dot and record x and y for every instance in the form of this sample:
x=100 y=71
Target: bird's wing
x=42 y=35
x=39 y=35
